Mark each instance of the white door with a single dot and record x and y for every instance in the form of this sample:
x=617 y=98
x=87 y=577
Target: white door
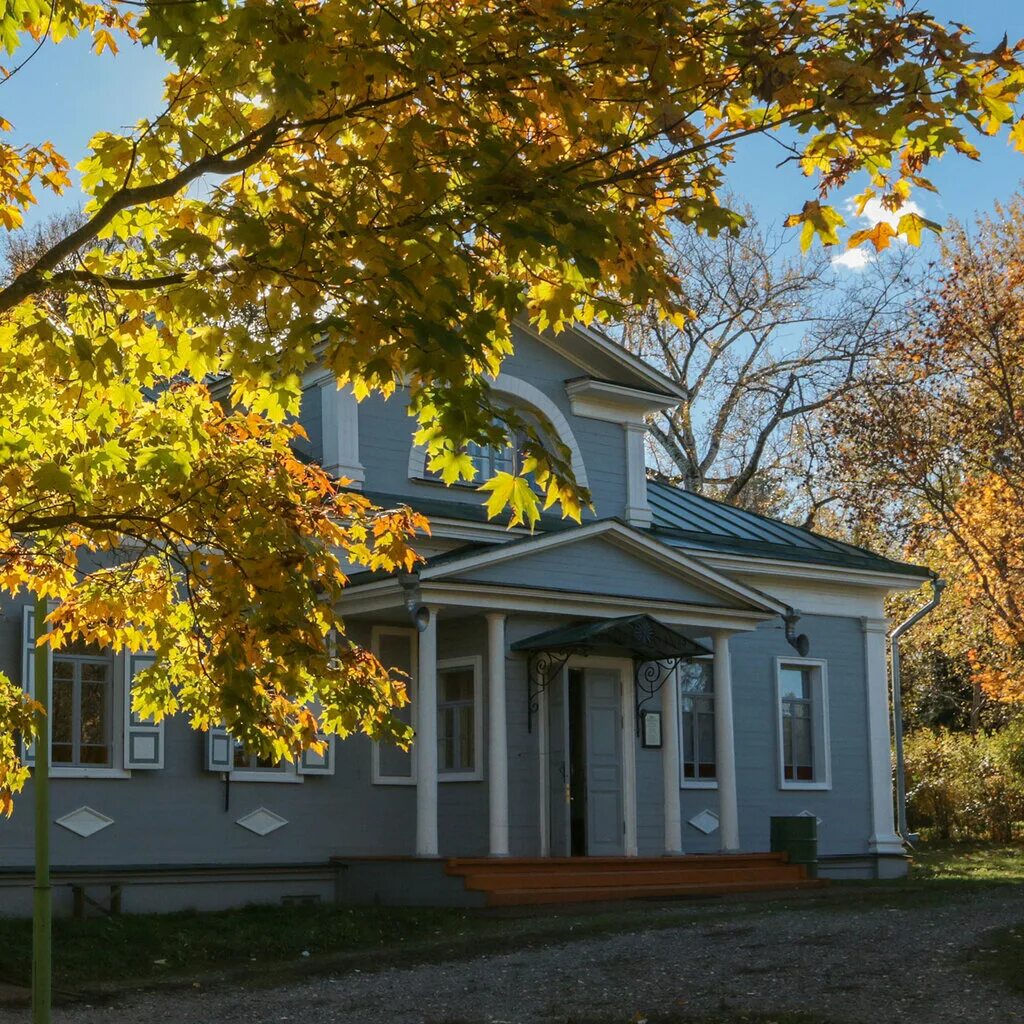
x=605 y=813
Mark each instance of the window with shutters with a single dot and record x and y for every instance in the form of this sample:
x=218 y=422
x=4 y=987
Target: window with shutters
x=88 y=715
x=246 y=767
x=697 y=725
x=804 y=760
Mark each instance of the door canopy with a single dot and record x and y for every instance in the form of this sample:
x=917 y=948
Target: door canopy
x=656 y=650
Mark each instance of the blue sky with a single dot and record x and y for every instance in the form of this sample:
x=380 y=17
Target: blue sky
x=66 y=94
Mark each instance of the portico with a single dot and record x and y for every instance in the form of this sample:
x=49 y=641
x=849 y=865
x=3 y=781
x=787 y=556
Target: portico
x=628 y=646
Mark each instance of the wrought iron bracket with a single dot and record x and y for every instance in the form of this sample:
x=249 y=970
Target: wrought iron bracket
x=542 y=669
x=648 y=679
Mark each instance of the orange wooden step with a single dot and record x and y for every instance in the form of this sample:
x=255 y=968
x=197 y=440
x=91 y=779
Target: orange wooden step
x=524 y=897
x=694 y=862
x=487 y=881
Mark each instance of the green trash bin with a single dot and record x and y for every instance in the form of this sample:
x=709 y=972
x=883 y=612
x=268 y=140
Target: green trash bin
x=797 y=836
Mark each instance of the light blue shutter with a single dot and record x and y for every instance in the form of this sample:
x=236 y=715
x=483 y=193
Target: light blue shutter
x=143 y=738
x=28 y=666
x=312 y=763
x=220 y=750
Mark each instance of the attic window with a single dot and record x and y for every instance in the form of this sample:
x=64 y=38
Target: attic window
x=488 y=460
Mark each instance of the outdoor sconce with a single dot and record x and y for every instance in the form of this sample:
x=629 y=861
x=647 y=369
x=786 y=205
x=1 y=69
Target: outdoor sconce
x=419 y=613
x=798 y=642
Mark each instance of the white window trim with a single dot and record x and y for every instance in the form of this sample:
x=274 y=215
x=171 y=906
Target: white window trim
x=475 y=662
x=376 y=778
x=684 y=782
x=289 y=775
x=113 y=771
x=819 y=706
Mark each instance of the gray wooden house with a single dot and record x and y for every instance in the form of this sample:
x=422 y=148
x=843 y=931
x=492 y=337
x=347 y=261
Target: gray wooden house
x=594 y=704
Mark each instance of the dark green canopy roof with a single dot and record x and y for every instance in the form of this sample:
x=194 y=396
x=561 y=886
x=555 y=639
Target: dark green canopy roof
x=640 y=636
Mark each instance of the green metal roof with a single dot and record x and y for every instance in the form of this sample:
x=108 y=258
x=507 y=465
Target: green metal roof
x=684 y=519
x=690 y=521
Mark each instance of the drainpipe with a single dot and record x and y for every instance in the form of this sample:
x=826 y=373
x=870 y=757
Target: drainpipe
x=938 y=586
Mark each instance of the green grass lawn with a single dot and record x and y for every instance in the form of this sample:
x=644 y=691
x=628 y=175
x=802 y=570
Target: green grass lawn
x=273 y=943
x=968 y=862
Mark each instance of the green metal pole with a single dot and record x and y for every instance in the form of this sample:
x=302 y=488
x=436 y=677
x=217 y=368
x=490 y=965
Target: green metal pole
x=42 y=899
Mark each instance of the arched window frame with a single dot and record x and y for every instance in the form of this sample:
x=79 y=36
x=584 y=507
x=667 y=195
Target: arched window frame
x=528 y=395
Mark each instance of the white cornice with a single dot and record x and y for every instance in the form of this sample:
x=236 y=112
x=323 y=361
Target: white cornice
x=607 y=347
x=615 y=403
x=386 y=595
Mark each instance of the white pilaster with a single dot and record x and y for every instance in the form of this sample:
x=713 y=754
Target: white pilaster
x=631 y=838
x=725 y=745
x=638 y=511
x=544 y=757
x=497 y=749
x=339 y=420
x=670 y=764
x=426 y=741
x=883 y=837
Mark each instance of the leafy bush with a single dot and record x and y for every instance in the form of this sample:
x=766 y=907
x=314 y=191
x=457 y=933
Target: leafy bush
x=961 y=786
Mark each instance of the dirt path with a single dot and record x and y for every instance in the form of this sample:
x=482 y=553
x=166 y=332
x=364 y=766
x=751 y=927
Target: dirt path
x=839 y=963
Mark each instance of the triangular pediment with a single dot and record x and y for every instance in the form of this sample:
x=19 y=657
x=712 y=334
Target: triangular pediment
x=607 y=558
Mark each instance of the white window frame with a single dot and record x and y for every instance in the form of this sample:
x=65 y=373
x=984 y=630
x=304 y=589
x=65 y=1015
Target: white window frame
x=289 y=772
x=116 y=769
x=684 y=782
x=375 y=773
x=475 y=662
x=821 y=749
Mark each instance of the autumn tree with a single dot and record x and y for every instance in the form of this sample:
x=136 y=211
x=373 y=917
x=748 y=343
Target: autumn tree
x=935 y=446
x=382 y=188
x=772 y=341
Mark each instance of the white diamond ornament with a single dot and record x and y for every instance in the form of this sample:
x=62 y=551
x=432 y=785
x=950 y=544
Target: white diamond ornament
x=706 y=822
x=85 y=822
x=262 y=822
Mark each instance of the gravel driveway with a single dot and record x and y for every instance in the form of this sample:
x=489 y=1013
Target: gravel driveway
x=871 y=966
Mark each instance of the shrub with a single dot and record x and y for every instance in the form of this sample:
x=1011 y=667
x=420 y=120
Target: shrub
x=961 y=786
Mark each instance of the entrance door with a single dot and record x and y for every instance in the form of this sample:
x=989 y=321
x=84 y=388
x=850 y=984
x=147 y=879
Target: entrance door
x=595 y=742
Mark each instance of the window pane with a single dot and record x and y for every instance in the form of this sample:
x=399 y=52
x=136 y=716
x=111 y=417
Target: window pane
x=688 y=745
x=457 y=685
x=395 y=652
x=696 y=677
x=706 y=744
x=61 y=720
x=466 y=738
x=446 y=739
x=802 y=742
x=504 y=460
x=795 y=682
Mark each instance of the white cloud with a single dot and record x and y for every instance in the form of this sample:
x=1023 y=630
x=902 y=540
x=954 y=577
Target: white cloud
x=854 y=259
x=873 y=213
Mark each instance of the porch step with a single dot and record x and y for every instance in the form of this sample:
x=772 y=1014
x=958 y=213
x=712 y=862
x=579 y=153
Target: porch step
x=695 y=861
x=525 y=897
x=533 y=880
x=486 y=881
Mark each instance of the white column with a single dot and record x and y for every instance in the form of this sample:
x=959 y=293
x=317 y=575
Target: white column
x=725 y=745
x=670 y=764
x=426 y=741
x=883 y=837
x=497 y=749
